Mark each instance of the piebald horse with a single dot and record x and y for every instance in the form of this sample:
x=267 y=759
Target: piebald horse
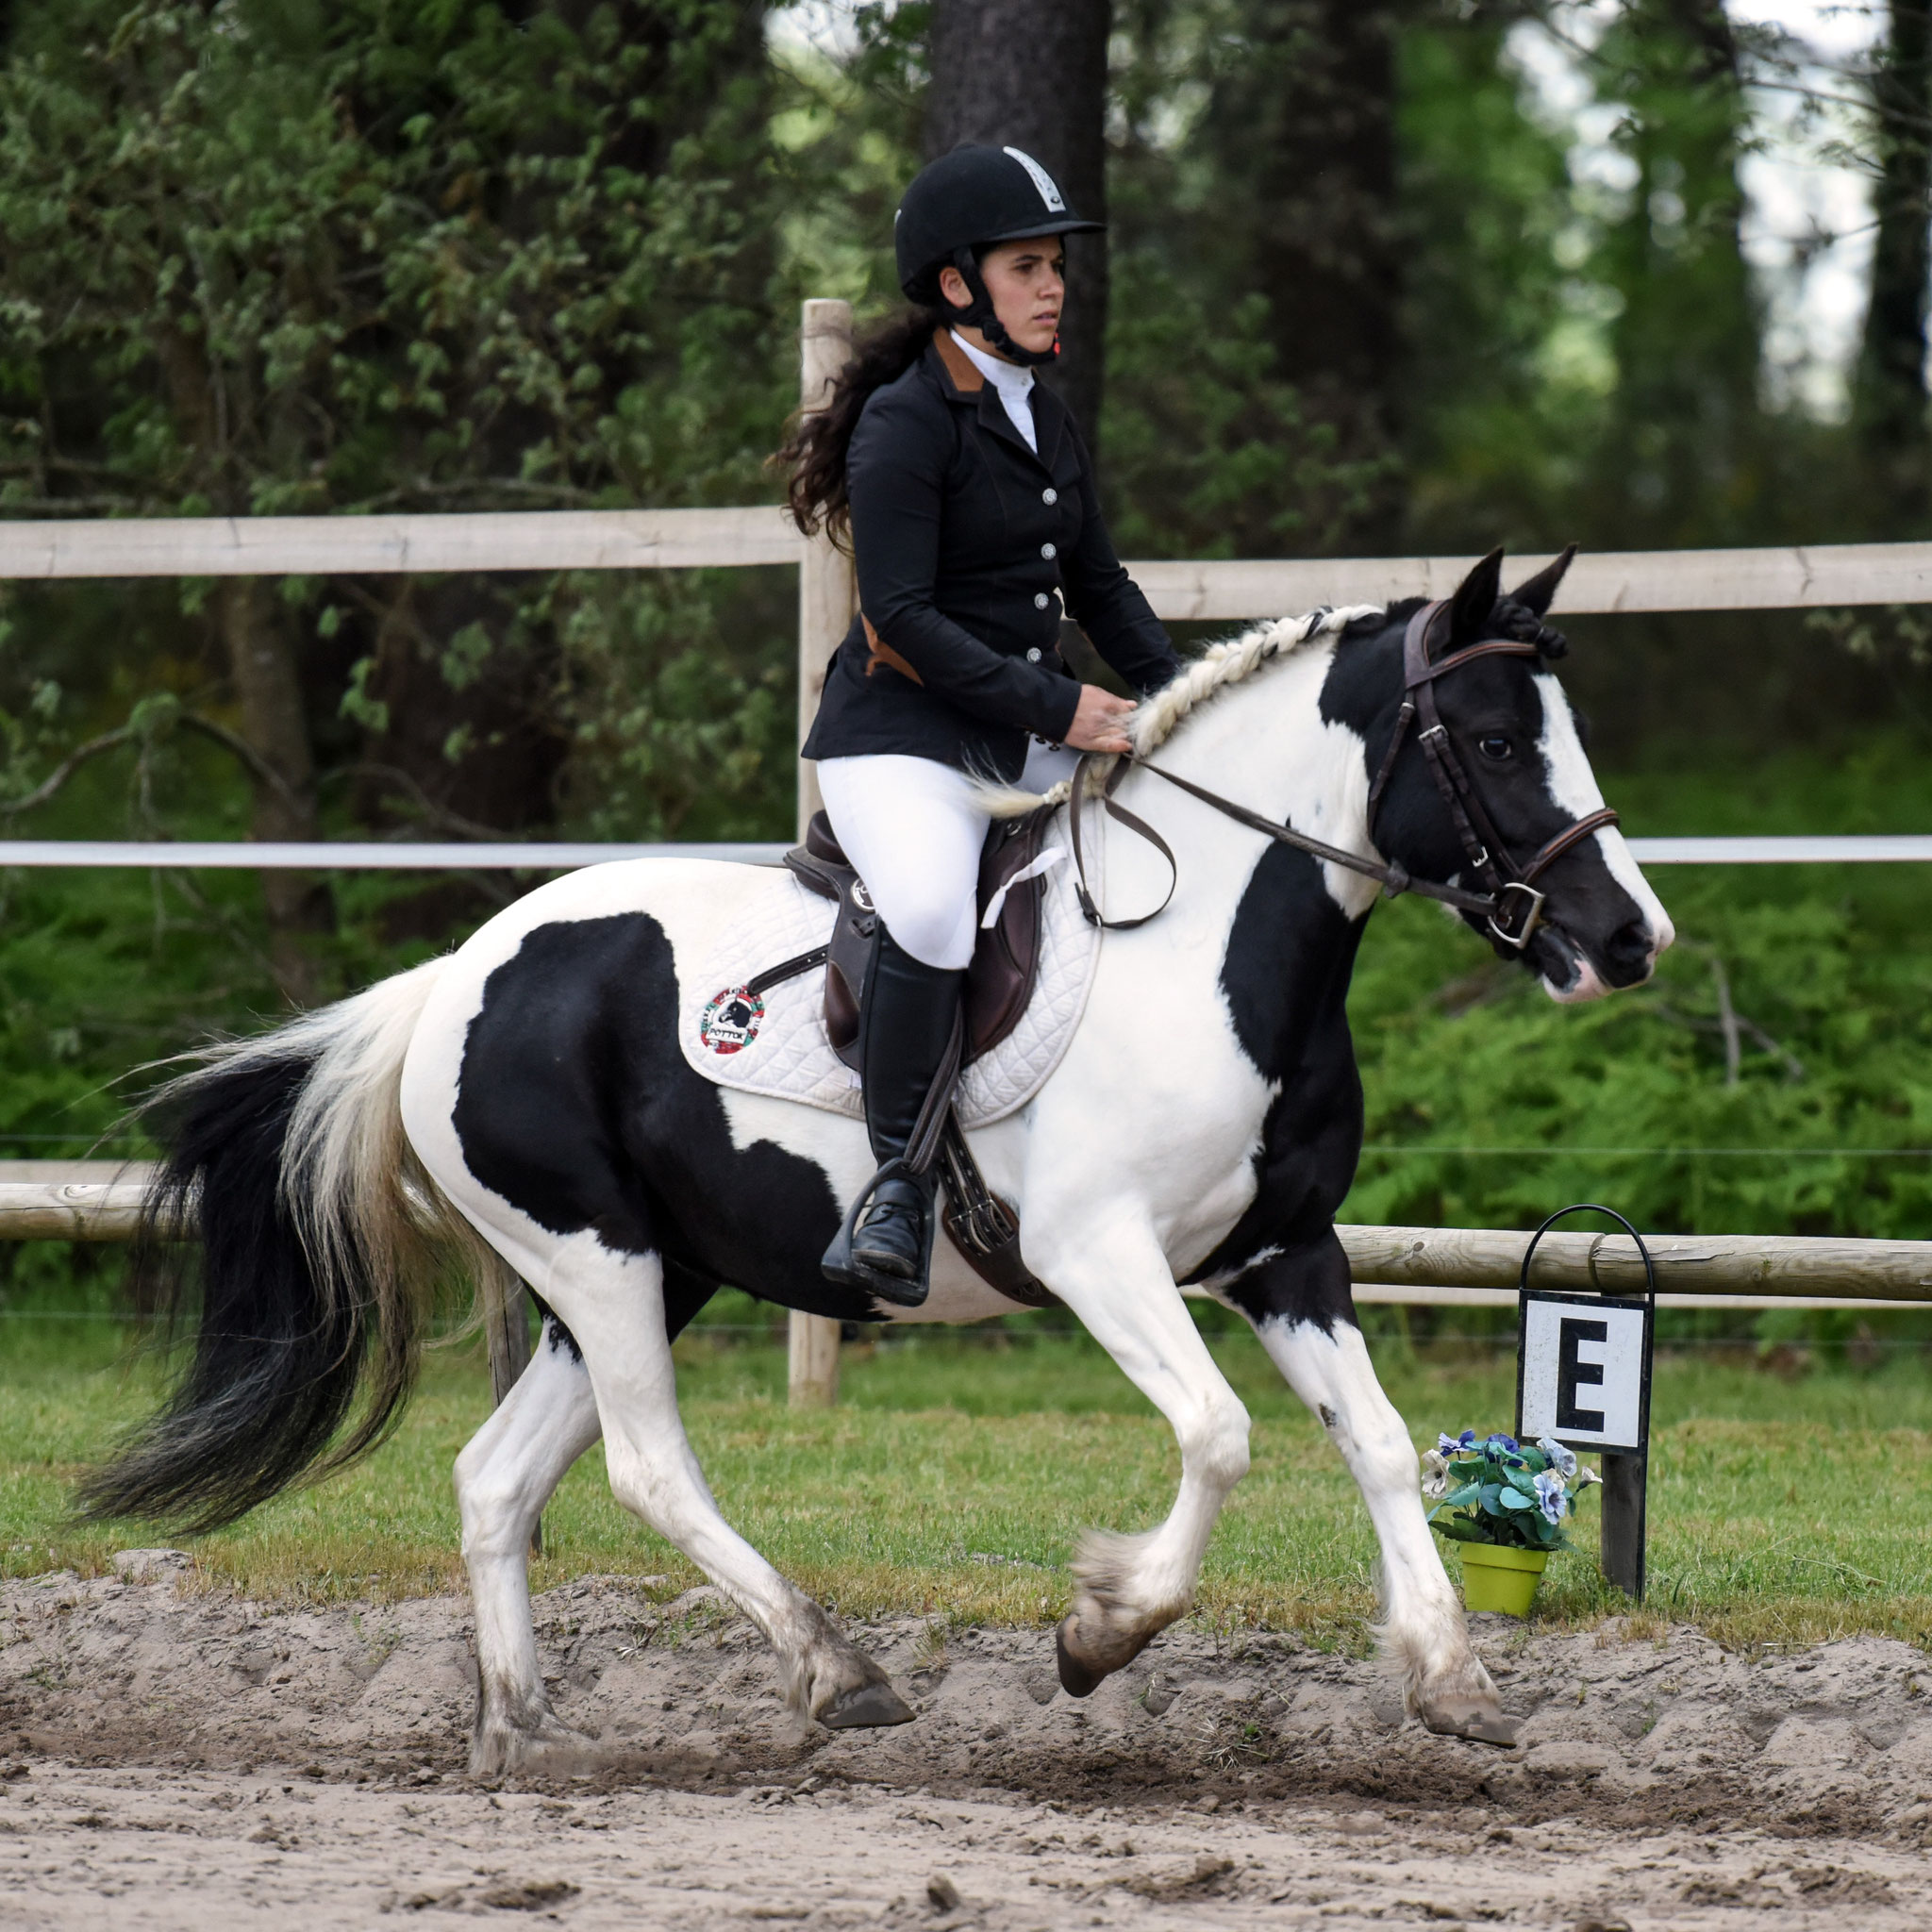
x=525 y=1100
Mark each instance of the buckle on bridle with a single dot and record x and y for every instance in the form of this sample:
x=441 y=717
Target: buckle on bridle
x=1510 y=931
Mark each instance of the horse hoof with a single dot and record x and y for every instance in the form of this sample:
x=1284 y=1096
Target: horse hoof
x=549 y=1749
x=1480 y=1724
x=1076 y=1680
x=867 y=1708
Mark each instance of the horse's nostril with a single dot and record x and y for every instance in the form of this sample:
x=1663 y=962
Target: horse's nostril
x=1629 y=948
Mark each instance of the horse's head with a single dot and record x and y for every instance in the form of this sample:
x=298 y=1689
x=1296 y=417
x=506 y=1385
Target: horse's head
x=1510 y=755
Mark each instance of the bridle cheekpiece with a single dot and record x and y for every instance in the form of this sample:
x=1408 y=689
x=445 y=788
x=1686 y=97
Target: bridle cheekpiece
x=1515 y=908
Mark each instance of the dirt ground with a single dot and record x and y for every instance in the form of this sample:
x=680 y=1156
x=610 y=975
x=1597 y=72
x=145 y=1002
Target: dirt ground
x=174 y=1759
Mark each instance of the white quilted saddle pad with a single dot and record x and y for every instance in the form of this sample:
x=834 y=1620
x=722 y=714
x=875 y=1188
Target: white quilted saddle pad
x=774 y=1043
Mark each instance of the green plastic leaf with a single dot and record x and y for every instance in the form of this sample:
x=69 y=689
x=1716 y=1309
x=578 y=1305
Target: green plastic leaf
x=1515 y=1499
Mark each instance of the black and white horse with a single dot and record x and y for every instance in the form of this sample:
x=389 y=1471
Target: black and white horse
x=1203 y=1127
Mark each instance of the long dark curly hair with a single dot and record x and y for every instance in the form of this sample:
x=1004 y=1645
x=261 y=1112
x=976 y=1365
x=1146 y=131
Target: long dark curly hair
x=815 y=450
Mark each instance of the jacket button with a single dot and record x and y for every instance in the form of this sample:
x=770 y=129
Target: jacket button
x=1033 y=655
x=1040 y=600
x=1049 y=551
x=1049 y=496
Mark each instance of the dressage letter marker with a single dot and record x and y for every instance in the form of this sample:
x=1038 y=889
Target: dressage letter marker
x=1583 y=1379
x=1584 y=1365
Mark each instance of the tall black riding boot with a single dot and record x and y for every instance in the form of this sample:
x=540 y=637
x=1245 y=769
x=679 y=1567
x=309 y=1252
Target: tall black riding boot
x=906 y=1020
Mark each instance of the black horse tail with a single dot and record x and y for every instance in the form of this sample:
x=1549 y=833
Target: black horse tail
x=323 y=1240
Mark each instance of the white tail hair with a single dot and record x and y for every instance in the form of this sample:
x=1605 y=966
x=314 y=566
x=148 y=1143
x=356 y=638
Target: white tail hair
x=365 y=1209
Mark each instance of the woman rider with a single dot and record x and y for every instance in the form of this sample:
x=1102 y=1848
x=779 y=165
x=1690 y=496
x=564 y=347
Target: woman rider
x=969 y=499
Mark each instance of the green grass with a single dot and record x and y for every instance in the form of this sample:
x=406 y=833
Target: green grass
x=1781 y=1509
x=955 y=1476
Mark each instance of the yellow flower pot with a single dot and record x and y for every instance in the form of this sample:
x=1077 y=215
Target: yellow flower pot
x=1497 y=1578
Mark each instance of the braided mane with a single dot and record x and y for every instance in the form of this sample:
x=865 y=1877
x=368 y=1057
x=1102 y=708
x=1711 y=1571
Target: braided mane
x=1229 y=661
x=1222 y=665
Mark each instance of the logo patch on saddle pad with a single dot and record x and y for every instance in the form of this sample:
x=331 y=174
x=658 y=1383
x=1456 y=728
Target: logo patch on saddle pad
x=774 y=920
x=731 y=1021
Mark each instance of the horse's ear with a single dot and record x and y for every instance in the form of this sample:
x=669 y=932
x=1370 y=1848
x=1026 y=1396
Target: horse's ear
x=1476 y=597
x=1536 y=594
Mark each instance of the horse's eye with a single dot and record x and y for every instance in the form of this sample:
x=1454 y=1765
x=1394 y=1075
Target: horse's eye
x=1494 y=747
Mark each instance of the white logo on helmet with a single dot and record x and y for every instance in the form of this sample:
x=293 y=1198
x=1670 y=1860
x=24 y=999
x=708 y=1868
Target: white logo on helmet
x=1042 y=180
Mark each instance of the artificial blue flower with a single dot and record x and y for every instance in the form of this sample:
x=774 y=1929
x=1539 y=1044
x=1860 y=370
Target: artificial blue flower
x=1553 y=1499
x=1450 y=1445
x=1560 y=1458
x=1500 y=1445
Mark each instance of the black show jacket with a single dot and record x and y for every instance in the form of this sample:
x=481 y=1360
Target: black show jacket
x=967 y=545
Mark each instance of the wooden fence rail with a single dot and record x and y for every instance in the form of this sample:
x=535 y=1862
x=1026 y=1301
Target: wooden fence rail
x=1794 y=578
x=1769 y=1269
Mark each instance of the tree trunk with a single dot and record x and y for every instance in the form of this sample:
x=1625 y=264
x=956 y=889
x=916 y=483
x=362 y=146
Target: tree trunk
x=251 y=627
x=1302 y=118
x=1686 y=458
x=1012 y=73
x=1889 y=405
x=268 y=686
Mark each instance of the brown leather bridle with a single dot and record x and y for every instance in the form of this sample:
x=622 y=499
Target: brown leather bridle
x=1511 y=907
x=1516 y=907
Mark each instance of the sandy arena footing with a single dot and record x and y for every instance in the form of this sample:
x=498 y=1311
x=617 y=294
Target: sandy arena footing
x=172 y=1759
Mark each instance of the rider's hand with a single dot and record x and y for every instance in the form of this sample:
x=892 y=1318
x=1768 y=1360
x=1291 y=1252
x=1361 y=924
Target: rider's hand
x=1100 y=723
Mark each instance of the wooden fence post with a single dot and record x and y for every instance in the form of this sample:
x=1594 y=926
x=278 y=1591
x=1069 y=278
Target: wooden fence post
x=827 y=596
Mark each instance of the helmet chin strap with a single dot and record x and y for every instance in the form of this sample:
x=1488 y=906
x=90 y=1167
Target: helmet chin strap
x=982 y=317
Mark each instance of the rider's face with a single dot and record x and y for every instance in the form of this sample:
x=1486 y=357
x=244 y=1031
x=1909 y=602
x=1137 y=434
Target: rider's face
x=1027 y=282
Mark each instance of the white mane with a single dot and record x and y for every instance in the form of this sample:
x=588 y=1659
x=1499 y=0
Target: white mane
x=1228 y=662
x=1224 y=664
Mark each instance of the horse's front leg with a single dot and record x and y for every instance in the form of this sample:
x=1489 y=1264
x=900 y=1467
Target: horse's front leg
x=1302 y=1307
x=1108 y=1268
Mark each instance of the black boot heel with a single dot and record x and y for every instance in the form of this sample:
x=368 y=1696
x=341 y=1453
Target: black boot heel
x=850 y=1267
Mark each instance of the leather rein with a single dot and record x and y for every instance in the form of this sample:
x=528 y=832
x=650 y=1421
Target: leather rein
x=1511 y=908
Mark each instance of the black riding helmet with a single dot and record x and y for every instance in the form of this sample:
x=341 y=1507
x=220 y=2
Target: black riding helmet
x=968 y=200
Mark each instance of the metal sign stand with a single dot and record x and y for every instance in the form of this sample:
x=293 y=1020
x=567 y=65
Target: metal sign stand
x=1554 y=1381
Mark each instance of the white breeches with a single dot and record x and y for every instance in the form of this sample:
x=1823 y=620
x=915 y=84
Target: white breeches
x=915 y=828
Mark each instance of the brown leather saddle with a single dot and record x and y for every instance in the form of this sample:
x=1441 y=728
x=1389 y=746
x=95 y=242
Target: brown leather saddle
x=1005 y=960
x=999 y=982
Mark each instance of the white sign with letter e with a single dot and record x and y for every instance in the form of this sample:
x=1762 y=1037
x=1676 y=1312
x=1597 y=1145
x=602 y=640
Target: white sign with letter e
x=1583 y=1368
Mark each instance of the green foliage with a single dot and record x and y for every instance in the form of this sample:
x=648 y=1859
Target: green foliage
x=376 y=256
x=266 y=258
x=1488 y=1106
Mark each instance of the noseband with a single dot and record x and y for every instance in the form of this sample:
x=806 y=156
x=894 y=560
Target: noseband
x=1511 y=908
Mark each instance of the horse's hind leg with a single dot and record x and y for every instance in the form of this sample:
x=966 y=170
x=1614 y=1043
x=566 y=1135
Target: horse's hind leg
x=504 y=1478
x=612 y=1302
x=1300 y=1302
